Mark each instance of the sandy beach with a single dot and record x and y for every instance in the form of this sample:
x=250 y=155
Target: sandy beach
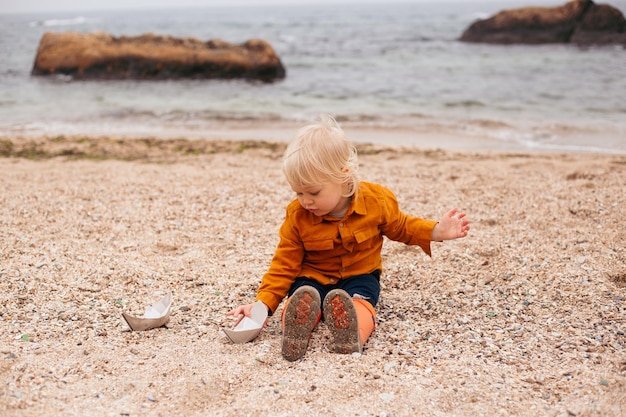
x=524 y=317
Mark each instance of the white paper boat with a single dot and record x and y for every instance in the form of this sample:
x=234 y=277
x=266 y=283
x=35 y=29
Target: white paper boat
x=155 y=316
x=249 y=328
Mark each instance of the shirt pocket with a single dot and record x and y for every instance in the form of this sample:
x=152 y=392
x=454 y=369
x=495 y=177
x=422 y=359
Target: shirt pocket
x=318 y=245
x=366 y=238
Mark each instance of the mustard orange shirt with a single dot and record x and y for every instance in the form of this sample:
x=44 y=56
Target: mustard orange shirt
x=328 y=249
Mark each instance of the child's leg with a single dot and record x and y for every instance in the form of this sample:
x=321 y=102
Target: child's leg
x=301 y=314
x=366 y=316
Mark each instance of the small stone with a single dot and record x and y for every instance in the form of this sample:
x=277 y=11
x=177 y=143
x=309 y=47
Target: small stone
x=386 y=396
x=390 y=366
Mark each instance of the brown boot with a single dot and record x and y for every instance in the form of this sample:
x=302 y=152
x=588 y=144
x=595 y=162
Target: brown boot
x=300 y=316
x=341 y=318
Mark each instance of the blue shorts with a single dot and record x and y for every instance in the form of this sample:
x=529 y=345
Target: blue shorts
x=366 y=287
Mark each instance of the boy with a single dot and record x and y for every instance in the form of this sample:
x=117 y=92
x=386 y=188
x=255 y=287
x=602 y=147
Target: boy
x=329 y=254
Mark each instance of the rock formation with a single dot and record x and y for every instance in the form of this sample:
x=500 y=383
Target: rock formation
x=103 y=57
x=580 y=22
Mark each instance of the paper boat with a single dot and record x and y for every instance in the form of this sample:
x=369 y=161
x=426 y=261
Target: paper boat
x=249 y=328
x=155 y=316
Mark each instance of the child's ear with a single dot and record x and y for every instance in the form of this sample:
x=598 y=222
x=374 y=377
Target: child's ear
x=345 y=171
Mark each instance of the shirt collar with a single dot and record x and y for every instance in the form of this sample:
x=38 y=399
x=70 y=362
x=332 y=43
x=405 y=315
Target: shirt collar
x=357 y=207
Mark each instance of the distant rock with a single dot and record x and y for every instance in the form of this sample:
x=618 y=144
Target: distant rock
x=580 y=22
x=101 y=56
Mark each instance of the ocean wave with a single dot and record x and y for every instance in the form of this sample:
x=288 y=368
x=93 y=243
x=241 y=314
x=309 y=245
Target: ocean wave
x=474 y=16
x=490 y=124
x=10 y=72
x=465 y=103
x=187 y=116
x=358 y=118
x=549 y=138
x=604 y=110
x=551 y=96
x=73 y=21
x=7 y=102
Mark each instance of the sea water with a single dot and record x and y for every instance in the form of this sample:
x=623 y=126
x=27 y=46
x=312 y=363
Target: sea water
x=379 y=66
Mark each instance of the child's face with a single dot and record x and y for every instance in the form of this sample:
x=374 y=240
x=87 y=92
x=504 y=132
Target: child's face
x=323 y=199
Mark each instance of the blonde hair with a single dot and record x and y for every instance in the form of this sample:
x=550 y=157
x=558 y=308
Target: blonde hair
x=321 y=153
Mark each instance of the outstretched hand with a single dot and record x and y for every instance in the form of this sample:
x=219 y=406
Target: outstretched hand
x=453 y=225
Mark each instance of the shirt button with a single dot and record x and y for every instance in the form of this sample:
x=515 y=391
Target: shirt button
x=341 y=224
x=343 y=269
x=333 y=280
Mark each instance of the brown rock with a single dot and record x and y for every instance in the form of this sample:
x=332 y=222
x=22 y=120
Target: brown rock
x=601 y=24
x=578 y=21
x=102 y=56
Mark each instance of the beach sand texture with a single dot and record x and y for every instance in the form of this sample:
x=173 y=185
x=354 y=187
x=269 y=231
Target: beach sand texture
x=524 y=317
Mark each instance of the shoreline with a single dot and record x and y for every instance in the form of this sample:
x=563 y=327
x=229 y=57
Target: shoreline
x=450 y=133
x=163 y=149
x=232 y=136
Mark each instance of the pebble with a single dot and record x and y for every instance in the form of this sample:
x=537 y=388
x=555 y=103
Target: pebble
x=390 y=366
x=386 y=396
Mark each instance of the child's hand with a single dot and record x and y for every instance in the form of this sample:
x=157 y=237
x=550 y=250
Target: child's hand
x=452 y=225
x=242 y=311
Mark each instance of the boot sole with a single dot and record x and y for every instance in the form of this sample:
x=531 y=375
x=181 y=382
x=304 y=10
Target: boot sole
x=301 y=316
x=341 y=318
